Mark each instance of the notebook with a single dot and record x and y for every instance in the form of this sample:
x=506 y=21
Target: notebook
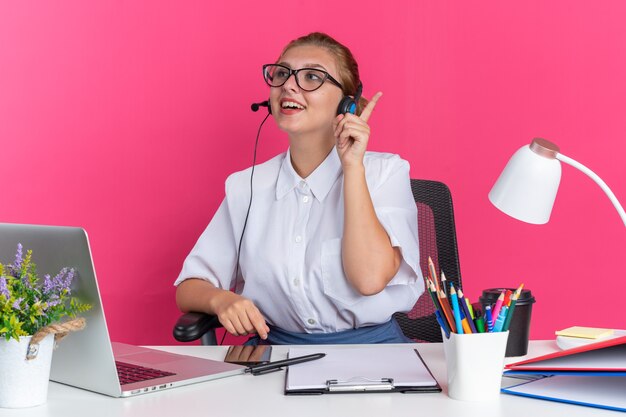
x=87 y=359
x=380 y=368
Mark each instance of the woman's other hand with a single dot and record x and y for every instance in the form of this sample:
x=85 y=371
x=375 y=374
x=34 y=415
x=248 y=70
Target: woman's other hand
x=239 y=315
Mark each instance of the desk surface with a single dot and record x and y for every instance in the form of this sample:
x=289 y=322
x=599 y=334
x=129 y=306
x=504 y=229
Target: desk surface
x=247 y=395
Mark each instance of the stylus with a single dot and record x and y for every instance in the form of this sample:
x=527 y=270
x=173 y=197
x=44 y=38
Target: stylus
x=277 y=365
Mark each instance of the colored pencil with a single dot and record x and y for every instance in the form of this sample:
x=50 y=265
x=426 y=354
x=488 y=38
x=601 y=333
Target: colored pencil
x=456 y=311
x=447 y=310
x=465 y=323
x=433 y=273
x=498 y=306
x=509 y=316
x=442 y=323
x=500 y=320
x=443 y=283
x=465 y=310
x=507 y=297
x=470 y=308
x=433 y=296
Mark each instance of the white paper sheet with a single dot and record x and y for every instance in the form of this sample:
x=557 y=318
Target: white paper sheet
x=359 y=364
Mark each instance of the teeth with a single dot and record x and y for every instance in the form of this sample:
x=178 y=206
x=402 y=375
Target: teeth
x=291 y=105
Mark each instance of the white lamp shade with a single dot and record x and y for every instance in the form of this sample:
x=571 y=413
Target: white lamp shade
x=527 y=187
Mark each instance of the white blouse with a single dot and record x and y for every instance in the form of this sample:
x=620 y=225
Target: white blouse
x=291 y=251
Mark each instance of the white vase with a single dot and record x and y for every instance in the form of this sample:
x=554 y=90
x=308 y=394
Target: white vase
x=24 y=383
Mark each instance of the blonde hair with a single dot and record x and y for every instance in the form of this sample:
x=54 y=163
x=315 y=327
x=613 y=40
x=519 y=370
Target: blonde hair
x=346 y=64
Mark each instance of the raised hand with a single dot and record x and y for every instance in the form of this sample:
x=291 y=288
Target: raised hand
x=352 y=134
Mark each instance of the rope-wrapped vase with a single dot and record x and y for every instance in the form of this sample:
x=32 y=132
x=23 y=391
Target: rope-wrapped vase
x=59 y=330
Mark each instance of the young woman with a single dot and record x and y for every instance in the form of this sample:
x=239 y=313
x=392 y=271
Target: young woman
x=330 y=248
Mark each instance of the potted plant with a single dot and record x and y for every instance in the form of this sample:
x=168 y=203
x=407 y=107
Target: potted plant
x=33 y=314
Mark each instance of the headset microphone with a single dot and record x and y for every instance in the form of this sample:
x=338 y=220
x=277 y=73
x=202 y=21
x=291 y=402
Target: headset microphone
x=256 y=106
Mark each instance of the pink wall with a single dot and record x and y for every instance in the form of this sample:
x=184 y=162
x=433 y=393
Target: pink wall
x=126 y=117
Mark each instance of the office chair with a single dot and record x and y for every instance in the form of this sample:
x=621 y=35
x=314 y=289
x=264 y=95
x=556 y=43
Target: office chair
x=437 y=239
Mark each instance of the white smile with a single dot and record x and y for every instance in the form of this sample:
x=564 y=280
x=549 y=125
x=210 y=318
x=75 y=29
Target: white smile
x=291 y=105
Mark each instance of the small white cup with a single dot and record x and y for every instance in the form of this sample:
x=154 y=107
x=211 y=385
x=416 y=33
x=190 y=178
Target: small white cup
x=475 y=363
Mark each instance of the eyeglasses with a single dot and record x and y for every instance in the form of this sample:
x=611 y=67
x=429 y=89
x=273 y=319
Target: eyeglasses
x=308 y=79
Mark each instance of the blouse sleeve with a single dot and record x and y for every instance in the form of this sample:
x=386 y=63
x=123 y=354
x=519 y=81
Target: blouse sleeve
x=397 y=213
x=214 y=255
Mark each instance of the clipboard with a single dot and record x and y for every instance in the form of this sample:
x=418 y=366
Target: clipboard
x=375 y=369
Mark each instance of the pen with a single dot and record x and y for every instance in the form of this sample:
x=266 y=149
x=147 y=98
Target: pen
x=489 y=318
x=275 y=366
x=480 y=324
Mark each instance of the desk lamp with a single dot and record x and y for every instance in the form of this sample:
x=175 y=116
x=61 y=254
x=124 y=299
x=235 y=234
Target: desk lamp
x=527 y=187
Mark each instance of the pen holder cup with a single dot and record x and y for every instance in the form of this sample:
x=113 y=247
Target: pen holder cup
x=519 y=329
x=474 y=364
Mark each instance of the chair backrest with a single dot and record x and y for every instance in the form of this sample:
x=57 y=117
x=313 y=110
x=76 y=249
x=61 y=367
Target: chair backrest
x=437 y=239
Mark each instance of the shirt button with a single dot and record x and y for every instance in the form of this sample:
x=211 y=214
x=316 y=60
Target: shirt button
x=311 y=321
x=298 y=239
x=296 y=282
x=305 y=199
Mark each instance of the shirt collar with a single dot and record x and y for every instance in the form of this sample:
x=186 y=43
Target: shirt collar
x=320 y=181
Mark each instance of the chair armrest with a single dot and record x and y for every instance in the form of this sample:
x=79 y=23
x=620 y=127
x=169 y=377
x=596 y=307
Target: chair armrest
x=192 y=326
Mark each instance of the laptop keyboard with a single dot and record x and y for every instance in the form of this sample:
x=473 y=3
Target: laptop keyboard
x=129 y=373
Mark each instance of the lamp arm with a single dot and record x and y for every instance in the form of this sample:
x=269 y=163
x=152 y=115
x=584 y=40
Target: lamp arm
x=598 y=181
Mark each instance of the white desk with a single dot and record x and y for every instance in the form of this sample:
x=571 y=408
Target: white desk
x=260 y=396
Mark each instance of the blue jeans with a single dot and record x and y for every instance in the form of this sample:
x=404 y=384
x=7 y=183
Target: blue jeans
x=388 y=332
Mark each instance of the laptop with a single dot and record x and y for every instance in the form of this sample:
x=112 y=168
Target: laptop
x=87 y=359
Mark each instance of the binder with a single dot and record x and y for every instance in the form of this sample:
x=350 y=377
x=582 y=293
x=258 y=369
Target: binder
x=592 y=389
x=606 y=355
x=360 y=370
x=592 y=375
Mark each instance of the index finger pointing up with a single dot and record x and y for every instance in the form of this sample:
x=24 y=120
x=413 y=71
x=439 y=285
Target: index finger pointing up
x=367 y=111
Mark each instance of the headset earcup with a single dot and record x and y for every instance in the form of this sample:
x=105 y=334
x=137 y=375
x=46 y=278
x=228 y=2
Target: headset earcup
x=346 y=105
x=269 y=106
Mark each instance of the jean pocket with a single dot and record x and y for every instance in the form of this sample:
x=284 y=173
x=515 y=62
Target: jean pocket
x=336 y=285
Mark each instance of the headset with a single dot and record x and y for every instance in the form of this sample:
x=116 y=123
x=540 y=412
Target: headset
x=346 y=105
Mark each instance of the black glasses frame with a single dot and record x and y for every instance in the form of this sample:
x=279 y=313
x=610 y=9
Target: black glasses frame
x=293 y=72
